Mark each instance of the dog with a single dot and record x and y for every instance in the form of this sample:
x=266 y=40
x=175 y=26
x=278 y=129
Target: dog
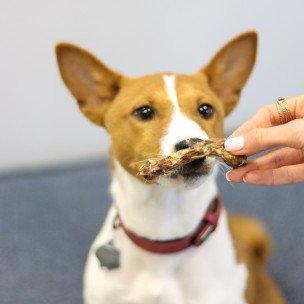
x=169 y=240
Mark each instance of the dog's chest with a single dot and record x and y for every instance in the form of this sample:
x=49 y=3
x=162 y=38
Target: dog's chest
x=205 y=274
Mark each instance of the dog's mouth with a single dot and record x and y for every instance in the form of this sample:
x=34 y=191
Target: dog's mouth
x=192 y=170
x=190 y=175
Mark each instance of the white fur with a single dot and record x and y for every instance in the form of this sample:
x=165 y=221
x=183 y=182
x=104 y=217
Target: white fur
x=205 y=274
x=181 y=127
x=158 y=212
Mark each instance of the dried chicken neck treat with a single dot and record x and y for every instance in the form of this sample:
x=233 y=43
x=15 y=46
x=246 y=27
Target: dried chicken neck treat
x=212 y=147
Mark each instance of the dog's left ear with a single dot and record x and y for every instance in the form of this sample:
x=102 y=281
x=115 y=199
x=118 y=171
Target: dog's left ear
x=230 y=68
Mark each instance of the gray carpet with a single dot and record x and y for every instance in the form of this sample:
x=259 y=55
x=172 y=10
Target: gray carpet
x=49 y=218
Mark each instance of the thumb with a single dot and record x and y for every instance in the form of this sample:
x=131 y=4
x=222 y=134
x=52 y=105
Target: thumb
x=262 y=139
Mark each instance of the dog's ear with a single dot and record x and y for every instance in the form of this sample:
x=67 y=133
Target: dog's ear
x=92 y=83
x=230 y=68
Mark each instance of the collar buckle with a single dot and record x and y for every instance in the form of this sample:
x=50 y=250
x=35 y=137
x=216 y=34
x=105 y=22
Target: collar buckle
x=203 y=235
x=116 y=221
x=209 y=223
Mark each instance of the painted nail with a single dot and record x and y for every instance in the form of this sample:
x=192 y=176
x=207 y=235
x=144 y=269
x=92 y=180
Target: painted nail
x=234 y=144
x=227 y=176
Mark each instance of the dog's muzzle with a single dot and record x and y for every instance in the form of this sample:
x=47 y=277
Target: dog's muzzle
x=195 y=168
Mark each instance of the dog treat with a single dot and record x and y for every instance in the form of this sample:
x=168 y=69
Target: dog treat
x=213 y=147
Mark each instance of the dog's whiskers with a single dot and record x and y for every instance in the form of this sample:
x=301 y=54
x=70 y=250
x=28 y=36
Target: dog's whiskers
x=223 y=165
x=223 y=169
x=144 y=160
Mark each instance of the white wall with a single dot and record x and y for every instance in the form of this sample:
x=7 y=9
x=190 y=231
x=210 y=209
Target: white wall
x=39 y=121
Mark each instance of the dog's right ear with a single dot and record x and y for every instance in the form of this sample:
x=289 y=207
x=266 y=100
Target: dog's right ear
x=92 y=83
x=230 y=68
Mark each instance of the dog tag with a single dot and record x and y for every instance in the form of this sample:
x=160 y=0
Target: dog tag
x=108 y=256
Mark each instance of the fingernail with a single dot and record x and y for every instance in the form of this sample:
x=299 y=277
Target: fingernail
x=244 y=180
x=227 y=176
x=234 y=144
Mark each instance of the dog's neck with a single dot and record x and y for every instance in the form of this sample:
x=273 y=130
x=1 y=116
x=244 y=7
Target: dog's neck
x=157 y=212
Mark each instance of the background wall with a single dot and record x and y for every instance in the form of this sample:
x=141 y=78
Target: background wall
x=40 y=123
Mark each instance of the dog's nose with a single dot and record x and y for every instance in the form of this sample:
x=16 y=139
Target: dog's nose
x=187 y=143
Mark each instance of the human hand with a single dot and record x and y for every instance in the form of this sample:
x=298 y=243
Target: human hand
x=264 y=131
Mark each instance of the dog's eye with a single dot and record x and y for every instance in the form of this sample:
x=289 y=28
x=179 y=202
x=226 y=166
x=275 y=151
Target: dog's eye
x=206 y=110
x=144 y=113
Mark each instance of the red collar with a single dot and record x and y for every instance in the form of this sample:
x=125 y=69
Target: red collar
x=201 y=233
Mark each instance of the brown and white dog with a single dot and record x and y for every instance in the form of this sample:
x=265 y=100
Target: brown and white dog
x=152 y=116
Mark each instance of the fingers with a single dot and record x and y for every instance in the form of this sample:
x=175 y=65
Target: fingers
x=272 y=160
x=268 y=116
x=264 y=118
x=281 y=176
x=262 y=139
x=264 y=131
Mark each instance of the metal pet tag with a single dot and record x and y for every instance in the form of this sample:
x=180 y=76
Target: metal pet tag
x=108 y=256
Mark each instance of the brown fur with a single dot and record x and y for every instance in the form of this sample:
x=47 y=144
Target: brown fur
x=96 y=87
x=253 y=247
x=109 y=99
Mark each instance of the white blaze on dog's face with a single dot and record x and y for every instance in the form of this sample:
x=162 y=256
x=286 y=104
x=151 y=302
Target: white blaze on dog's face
x=154 y=115
x=181 y=133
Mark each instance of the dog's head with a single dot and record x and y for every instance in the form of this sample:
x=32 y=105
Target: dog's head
x=154 y=115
